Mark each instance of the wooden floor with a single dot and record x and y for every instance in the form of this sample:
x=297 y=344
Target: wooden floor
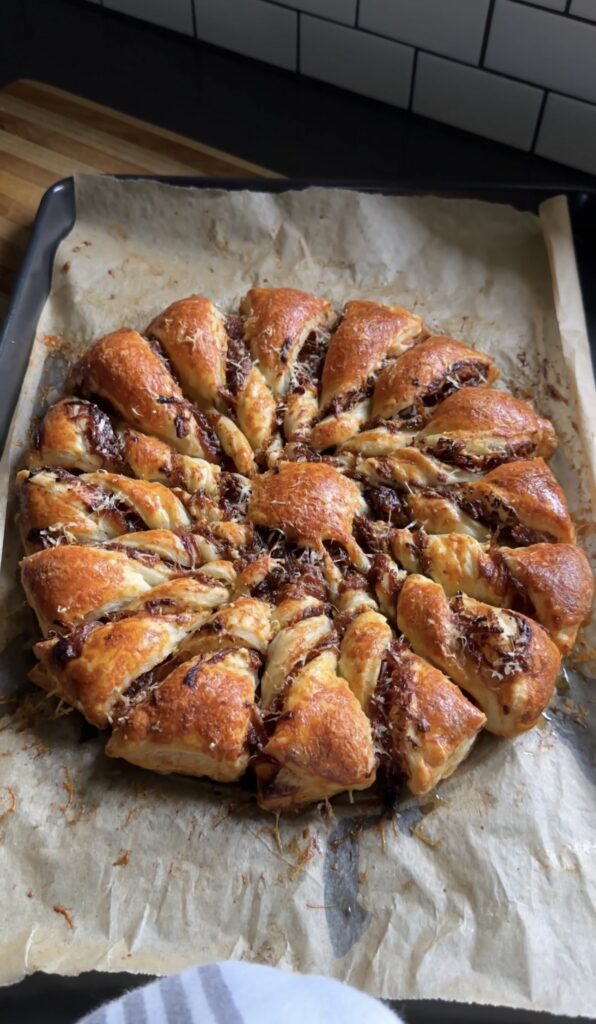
x=47 y=134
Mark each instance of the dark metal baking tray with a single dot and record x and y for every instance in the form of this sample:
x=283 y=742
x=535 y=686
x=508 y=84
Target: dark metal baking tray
x=56 y=214
x=62 y=1000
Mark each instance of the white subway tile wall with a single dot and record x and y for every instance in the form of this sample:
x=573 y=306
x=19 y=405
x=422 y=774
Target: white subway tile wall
x=176 y=14
x=253 y=27
x=355 y=60
x=451 y=27
x=539 y=47
x=583 y=9
x=476 y=100
x=568 y=132
x=522 y=72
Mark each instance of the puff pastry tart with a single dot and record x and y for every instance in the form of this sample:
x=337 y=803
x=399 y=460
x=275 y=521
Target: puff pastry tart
x=317 y=547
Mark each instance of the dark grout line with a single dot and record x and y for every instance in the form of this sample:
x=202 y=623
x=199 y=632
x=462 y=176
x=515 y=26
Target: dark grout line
x=298 y=30
x=487 y=28
x=413 y=81
x=357 y=19
x=539 y=120
x=194 y=18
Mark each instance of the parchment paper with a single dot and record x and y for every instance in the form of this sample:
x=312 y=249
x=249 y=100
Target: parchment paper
x=486 y=894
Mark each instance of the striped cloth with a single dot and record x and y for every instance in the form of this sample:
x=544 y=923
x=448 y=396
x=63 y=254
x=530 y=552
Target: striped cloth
x=242 y=993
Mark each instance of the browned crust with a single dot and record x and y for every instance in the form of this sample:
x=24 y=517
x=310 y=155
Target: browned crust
x=202 y=712
x=126 y=607
x=460 y=636
x=154 y=460
x=430 y=724
x=412 y=380
x=111 y=658
x=276 y=325
x=473 y=411
x=368 y=334
x=558 y=580
x=67 y=584
x=54 y=506
x=310 y=501
x=192 y=333
x=530 y=489
x=123 y=369
x=75 y=434
x=323 y=742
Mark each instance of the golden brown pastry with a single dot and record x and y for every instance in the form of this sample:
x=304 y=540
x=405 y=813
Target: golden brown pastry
x=244 y=622
x=94 y=665
x=57 y=507
x=504 y=660
x=430 y=725
x=522 y=500
x=558 y=585
x=407 y=468
x=367 y=336
x=184 y=550
x=247 y=392
x=414 y=384
x=458 y=562
x=551 y=582
x=310 y=503
x=193 y=336
x=472 y=431
x=477 y=429
x=154 y=460
x=322 y=742
x=278 y=322
x=362 y=652
x=254 y=542
x=125 y=371
x=69 y=584
x=198 y=721
x=75 y=434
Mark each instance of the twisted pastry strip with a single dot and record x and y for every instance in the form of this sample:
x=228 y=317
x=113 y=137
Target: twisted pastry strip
x=211 y=359
x=192 y=333
x=200 y=720
x=286 y=330
x=472 y=431
x=552 y=582
x=124 y=370
x=56 y=506
x=316 y=740
x=94 y=666
x=518 y=501
x=322 y=742
x=503 y=659
x=423 y=725
x=278 y=323
x=367 y=336
x=69 y=584
x=409 y=389
x=75 y=434
x=78 y=435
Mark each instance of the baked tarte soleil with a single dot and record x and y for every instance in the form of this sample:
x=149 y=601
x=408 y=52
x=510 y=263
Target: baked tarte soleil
x=309 y=547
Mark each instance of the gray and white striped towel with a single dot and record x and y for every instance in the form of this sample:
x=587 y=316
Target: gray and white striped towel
x=242 y=993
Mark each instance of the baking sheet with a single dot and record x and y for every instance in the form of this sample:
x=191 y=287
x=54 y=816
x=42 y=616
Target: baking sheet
x=487 y=894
